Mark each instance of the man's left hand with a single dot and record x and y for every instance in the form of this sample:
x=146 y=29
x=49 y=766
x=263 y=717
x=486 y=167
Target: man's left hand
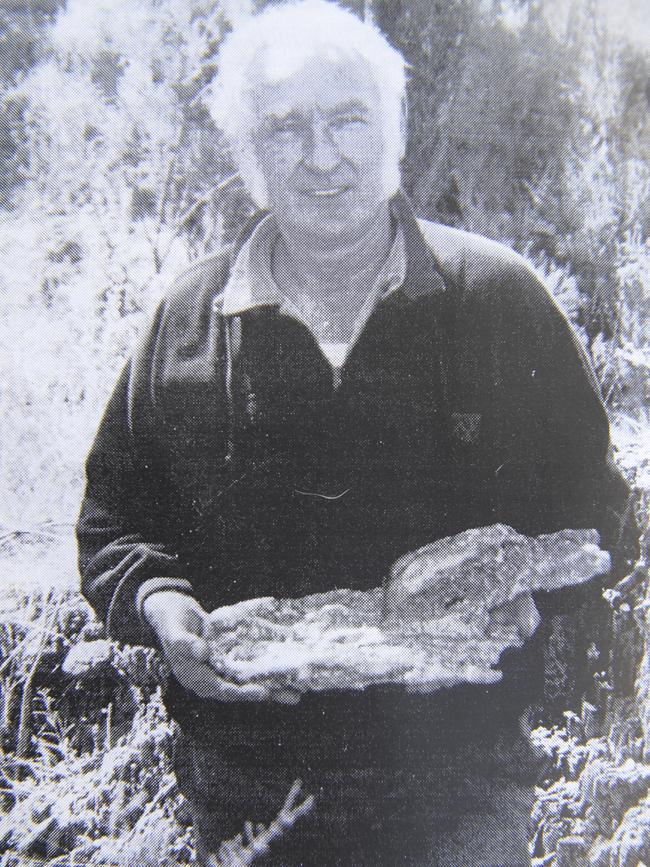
x=520 y=612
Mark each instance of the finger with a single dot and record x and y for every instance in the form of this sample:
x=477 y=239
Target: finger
x=198 y=678
x=188 y=669
x=200 y=649
x=528 y=617
x=242 y=692
x=202 y=680
x=519 y=612
x=197 y=621
x=180 y=643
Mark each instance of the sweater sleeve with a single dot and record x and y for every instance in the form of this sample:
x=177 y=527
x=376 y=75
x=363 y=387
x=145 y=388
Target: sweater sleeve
x=558 y=464
x=561 y=474
x=124 y=541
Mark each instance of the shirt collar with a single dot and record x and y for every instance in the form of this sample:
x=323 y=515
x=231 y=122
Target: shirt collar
x=251 y=283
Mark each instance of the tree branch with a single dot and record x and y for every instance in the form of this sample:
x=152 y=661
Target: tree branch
x=245 y=848
x=204 y=200
x=159 y=258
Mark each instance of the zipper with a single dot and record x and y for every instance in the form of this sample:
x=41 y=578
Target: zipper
x=222 y=327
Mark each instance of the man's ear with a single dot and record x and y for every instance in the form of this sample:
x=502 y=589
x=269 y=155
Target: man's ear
x=250 y=172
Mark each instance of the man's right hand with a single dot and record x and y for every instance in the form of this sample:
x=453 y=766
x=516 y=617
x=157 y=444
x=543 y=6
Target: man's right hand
x=181 y=625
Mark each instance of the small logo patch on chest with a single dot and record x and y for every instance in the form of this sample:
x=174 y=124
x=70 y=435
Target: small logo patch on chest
x=466 y=426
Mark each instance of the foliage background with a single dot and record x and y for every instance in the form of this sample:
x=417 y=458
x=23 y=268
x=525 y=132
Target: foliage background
x=529 y=122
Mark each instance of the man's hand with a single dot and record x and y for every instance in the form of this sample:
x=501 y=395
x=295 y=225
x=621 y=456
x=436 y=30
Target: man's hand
x=520 y=612
x=181 y=625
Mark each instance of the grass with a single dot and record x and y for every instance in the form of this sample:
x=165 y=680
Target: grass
x=86 y=764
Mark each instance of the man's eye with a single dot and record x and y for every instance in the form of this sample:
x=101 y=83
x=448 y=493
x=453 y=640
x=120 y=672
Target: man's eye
x=286 y=128
x=348 y=120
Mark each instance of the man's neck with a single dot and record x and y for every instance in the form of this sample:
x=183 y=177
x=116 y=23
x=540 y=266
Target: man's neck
x=332 y=270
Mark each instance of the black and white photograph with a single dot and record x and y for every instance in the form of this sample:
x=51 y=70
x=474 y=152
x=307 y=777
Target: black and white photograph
x=324 y=433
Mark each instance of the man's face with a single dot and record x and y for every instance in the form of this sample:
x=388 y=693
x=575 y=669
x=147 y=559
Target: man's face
x=319 y=143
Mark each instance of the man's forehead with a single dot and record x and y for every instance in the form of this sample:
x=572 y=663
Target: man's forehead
x=282 y=109
x=320 y=84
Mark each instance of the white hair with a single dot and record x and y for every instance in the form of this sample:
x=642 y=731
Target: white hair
x=287 y=36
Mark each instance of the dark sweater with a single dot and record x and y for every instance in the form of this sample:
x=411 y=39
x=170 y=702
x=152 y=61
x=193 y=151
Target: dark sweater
x=466 y=401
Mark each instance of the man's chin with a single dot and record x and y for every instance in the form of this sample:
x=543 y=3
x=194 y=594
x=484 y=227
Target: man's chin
x=331 y=220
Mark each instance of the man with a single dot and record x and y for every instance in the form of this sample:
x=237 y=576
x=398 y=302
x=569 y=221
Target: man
x=349 y=383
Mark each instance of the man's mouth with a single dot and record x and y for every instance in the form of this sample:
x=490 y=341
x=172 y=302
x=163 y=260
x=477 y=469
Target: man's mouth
x=327 y=192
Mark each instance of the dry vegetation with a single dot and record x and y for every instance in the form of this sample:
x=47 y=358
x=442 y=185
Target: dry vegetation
x=112 y=177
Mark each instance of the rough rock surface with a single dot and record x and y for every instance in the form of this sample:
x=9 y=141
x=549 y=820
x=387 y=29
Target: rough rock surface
x=87 y=658
x=441 y=619
x=479 y=570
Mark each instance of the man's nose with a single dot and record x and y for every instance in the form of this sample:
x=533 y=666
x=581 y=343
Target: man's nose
x=321 y=152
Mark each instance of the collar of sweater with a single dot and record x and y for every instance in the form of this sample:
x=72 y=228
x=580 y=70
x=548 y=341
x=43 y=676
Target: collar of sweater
x=413 y=262
x=251 y=283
